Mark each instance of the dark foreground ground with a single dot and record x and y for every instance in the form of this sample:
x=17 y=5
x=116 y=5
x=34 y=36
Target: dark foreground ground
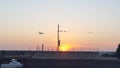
x=67 y=63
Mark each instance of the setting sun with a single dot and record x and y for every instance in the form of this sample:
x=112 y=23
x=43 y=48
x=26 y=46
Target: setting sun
x=64 y=47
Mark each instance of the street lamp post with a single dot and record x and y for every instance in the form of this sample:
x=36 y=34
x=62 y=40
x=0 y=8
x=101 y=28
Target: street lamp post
x=42 y=44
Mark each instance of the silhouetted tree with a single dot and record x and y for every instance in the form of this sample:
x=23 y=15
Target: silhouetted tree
x=118 y=52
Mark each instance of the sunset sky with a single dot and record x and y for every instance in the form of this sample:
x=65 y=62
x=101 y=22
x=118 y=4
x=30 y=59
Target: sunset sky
x=89 y=24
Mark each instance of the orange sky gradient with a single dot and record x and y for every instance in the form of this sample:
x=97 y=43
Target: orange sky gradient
x=91 y=24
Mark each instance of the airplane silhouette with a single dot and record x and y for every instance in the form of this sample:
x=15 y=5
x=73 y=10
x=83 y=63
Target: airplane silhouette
x=41 y=33
x=90 y=32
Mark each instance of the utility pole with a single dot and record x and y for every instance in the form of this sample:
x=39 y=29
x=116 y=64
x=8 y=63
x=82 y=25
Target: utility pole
x=58 y=41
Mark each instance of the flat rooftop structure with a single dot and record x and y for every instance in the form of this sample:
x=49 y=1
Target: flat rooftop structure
x=48 y=54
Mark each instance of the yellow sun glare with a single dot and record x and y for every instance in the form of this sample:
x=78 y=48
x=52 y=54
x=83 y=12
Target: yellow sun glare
x=64 y=47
